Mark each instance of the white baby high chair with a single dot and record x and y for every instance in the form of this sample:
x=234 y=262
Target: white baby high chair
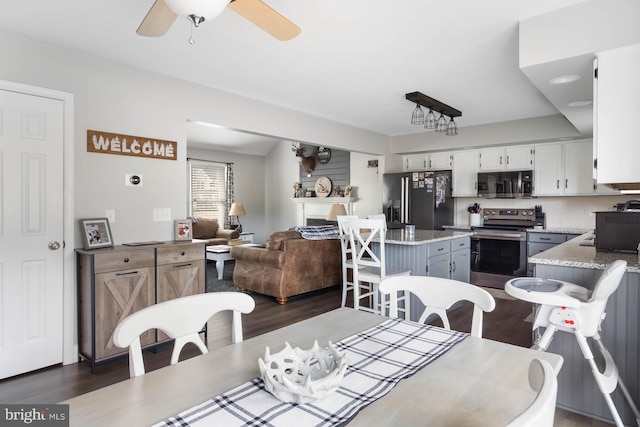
x=571 y=308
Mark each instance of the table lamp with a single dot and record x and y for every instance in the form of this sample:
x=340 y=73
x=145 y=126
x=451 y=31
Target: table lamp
x=237 y=209
x=335 y=210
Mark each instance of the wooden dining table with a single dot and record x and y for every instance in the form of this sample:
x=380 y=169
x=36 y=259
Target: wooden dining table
x=479 y=382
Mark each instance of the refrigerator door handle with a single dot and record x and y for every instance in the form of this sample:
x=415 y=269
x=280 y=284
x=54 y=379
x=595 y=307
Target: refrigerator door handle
x=406 y=200
x=402 y=201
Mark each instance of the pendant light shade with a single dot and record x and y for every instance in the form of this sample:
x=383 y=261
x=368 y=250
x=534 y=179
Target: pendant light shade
x=441 y=126
x=452 y=128
x=417 y=118
x=430 y=120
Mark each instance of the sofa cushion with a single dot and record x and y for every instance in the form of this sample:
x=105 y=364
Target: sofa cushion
x=276 y=240
x=205 y=228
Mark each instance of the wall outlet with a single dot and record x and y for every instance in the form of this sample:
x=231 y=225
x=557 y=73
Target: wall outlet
x=162 y=214
x=111 y=215
x=132 y=180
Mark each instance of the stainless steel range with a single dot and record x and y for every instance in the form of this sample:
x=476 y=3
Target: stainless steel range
x=499 y=246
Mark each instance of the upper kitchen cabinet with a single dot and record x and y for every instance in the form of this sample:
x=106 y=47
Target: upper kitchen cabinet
x=427 y=161
x=465 y=173
x=506 y=158
x=617 y=108
x=563 y=169
x=415 y=162
x=439 y=161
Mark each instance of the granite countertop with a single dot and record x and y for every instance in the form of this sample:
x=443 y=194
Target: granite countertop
x=422 y=237
x=559 y=230
x=578 y=252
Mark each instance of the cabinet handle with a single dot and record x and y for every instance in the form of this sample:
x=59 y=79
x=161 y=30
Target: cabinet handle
x=126 y=260
x=566 y=183
x=181 y=265
x=507 y=159
x=545 y=238
x=125 y=274
x=557 y=183
x=454 y=265
x=500 y=159
x=440 y=249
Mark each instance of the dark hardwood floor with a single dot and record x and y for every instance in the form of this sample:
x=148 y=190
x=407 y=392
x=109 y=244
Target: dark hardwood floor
x=507 y=323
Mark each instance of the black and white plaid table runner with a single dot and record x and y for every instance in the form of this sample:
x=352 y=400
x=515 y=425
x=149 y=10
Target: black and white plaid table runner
x=378 y=359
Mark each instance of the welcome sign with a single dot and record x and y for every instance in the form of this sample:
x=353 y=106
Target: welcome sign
x=128 y=145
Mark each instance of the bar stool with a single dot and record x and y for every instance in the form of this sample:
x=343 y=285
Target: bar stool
x=370 y=267
x=347 y=254
x=571 y=308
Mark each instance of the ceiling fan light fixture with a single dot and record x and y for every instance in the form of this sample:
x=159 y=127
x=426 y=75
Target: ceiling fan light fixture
x=202 y=10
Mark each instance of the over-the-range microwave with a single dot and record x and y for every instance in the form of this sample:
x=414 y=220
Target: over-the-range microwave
x=505 y=184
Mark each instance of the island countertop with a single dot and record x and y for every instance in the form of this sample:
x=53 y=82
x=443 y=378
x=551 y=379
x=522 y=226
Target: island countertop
x=578 y=252
x=421 y=237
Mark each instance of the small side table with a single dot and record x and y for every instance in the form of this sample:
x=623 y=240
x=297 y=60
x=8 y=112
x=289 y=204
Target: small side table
x=246 y=237
x=219 y=254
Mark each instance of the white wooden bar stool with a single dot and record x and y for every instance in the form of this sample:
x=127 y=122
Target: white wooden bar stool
x=370 y=267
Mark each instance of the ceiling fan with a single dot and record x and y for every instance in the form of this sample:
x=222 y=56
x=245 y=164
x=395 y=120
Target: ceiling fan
x=164 y=12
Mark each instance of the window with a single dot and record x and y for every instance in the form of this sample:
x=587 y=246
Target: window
x=208 y=190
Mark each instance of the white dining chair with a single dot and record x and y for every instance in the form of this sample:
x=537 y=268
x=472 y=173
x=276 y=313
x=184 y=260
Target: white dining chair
x=347 y=254
x=382 y=217
x=438 y=295
x=541 y=412
x=181 y=319
x=369 y=266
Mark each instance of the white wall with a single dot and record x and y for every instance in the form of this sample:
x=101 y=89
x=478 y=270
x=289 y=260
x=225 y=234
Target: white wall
x=116 y=98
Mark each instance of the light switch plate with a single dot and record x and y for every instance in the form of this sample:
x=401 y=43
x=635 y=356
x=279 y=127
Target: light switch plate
x=111 y=215
x=161 y=214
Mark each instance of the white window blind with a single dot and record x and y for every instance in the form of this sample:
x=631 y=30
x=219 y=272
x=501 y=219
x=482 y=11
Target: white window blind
x=208 y=190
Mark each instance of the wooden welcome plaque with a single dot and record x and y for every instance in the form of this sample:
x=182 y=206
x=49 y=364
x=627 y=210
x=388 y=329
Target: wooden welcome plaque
x=128 y=145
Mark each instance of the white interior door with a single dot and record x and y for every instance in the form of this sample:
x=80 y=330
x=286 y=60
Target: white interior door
x=31 y=232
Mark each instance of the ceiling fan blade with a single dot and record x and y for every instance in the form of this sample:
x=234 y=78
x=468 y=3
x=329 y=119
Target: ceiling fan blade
x=158 y=20
x=266 y=18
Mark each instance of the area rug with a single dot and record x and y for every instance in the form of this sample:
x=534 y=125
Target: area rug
x=224 y=285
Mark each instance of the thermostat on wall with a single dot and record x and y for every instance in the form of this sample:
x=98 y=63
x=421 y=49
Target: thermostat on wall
x=132 y=180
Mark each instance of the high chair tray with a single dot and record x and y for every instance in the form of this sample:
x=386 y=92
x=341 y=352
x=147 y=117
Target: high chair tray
x=536 y=284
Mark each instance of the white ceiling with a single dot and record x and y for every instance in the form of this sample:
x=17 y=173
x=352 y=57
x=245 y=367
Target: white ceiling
x=353 y=62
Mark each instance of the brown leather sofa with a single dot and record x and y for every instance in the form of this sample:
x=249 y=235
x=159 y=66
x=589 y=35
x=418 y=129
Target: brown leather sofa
x=209 y=230
x=289 y=265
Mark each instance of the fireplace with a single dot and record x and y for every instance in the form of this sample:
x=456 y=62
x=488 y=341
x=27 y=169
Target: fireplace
x=317 y=208
x=320 y=221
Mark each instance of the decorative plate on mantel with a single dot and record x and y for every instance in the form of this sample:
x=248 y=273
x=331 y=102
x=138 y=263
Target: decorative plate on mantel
x=323 y=186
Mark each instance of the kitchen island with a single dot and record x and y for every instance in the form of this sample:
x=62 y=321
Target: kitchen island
x=577 y=261
x=432 y=253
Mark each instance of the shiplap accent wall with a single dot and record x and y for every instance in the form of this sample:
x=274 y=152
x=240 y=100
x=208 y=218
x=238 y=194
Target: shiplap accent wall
x=337 y=170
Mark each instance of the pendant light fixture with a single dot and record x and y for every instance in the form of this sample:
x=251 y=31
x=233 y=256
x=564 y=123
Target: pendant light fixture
x=417 y=117
x=429 y=122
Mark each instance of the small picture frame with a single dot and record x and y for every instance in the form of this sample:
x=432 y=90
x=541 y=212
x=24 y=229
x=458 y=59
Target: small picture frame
x=183 y=229
x=96 y=233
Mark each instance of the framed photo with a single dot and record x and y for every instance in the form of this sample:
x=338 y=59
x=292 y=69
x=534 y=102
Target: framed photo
x=96 y=233
x=183 y=229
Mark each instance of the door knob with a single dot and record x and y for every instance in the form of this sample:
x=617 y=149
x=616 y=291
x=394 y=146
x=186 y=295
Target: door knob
x=54 y=246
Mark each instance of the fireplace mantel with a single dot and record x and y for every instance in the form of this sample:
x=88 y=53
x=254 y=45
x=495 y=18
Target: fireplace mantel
x=318 y=207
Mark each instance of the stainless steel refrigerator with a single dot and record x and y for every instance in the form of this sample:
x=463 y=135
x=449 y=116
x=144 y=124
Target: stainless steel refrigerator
x=419 y=198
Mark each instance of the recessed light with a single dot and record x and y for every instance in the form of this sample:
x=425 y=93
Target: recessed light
x=567 y=78
x=580 y=103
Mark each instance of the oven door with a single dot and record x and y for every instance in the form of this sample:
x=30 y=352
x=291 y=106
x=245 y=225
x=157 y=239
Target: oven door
x=499 y=252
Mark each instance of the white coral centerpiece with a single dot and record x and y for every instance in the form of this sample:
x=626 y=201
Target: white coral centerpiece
x=302 y=376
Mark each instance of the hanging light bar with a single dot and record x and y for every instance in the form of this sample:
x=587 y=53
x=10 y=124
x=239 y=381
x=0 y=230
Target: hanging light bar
x=418 y=117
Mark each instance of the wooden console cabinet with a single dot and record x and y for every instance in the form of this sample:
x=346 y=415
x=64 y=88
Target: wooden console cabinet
x=115 y=282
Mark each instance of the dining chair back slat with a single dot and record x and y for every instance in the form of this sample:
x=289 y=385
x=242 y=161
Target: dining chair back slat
x=181 y=319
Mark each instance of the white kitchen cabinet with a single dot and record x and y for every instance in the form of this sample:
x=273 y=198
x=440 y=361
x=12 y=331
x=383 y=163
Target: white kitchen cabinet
x=518 y=157
x=616 y=112
x=563 y=168
x=439 y=161
x=465 y=173
x=415 y=162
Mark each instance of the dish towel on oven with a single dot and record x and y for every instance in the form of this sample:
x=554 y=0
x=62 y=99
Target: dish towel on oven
x=378 y=359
